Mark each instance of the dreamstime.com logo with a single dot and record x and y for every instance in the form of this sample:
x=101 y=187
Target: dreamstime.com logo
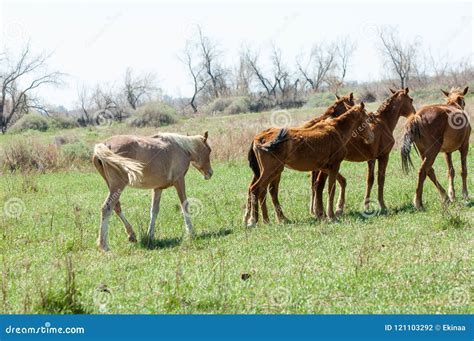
x=14 y=208
x=46 y=329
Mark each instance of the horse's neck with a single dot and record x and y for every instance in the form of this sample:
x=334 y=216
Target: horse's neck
x=345 y=125
x=390 y=114
x=329 y=113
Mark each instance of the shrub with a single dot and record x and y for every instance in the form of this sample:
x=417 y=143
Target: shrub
x=59 y=121
x=239 y=105
x=26 y=155
x=228 y=106
x=368 y=97
x=153 y=114
x=31 y=121
x=75 y=153
x=320 y=99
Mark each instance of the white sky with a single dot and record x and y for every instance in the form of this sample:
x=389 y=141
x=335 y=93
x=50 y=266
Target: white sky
x=94 y=42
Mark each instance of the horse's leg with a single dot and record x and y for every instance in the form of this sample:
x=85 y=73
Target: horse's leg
x=181 y=189
x=449 y=161
x=442 y=192
x=109 y=204
x=342 y=194
x=128 y=227
x=464 y=150
x=314 y=177
x=154 y=209
x=318 y=205
x=382 y=167
x=370 y=183
x=274 y=186
x=428 y=158
x=249 y=200
x=262 y=200
x=331 y=191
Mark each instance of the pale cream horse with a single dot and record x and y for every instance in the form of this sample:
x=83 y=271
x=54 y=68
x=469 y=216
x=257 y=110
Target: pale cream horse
x=156 y=162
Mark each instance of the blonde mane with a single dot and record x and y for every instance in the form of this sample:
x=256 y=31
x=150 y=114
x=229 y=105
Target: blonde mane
x=188 y=143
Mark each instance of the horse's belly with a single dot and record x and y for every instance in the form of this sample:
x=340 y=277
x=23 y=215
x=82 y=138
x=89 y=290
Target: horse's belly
x=453 y=139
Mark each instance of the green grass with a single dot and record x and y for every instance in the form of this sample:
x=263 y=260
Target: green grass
x=400 y=262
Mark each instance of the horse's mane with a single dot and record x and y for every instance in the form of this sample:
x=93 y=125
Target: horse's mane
x=385 y=105
x=329 y=111
x=188 y=143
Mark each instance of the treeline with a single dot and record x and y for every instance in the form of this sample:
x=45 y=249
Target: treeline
x=257 y=80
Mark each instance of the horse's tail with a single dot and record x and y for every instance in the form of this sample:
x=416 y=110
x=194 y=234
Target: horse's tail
x=253 y=163
x=133 y=169
x=412 y=133
x=272 y=145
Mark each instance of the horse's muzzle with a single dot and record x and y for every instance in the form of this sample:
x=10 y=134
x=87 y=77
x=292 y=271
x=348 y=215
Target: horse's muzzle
x=208 y=175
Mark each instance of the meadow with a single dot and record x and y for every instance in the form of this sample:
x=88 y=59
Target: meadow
x=402 y=261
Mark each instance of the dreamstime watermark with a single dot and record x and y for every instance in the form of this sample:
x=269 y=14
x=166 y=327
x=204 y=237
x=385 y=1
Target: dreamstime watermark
x=458 y=120
x=280 y=297
x=369 y=30
x=193 y=207
x=102 y=297
x=370 y=209
x=280 y=119
x=46 y=329
x=14 y=208
x=104 y=119
x=14 y=30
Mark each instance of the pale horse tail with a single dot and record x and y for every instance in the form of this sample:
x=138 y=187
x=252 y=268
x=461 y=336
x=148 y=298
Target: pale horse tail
x=133 y=169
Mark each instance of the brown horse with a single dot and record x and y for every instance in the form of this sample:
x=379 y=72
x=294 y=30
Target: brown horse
x=382 y=122
x=156 y=162
x=336 y=109
x=439 y=128
x=304 y=149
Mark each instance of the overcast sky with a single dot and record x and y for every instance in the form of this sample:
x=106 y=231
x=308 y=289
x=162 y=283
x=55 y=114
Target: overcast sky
x=94 y=42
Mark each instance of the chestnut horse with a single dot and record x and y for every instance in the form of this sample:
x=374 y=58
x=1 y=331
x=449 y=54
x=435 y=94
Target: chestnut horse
x=439 y=128
x=304 y=149
x=337 y=108
x=382 y=122
x=156 y=162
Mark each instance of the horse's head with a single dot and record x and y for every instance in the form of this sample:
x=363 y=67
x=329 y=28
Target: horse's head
x=405 y=102
x=342 y=103
x=362 y=122
x=202 y=157
x=456 y=96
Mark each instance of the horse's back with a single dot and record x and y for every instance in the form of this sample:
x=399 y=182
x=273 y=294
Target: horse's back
x=445 y=123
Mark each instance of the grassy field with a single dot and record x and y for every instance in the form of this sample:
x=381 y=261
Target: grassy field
x=400 y=262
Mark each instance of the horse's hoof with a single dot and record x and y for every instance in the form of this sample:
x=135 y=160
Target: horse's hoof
x=339 y=212
x=251 y=223
x=104 y=248
x=132 y=238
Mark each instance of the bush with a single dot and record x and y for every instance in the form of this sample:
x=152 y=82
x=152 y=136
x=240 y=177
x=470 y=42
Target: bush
x=239 y=105
x=228 y=106
x=368 y=97
x=59 y=121
x=153 y=114
x=26 y=155
x=75 y=153
x=32 y=121
x=320 y=99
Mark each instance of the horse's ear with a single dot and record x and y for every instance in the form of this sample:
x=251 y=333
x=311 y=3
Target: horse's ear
x=205 y=136
x=351 y=96
x=337 y=97
x=391 y=90
x=362 y=105
x=465 y=90
x=407 y=90
x=445 y=93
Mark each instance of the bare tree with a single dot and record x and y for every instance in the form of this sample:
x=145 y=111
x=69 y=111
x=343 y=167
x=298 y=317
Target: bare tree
x=264 y=81
x=109 y=103
x=196 y=71
x=84 y=99
x=322 y=59
x=19 y=78
x=209 y=54
x=344 y=51
x=401 y=57
x=137 y=88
